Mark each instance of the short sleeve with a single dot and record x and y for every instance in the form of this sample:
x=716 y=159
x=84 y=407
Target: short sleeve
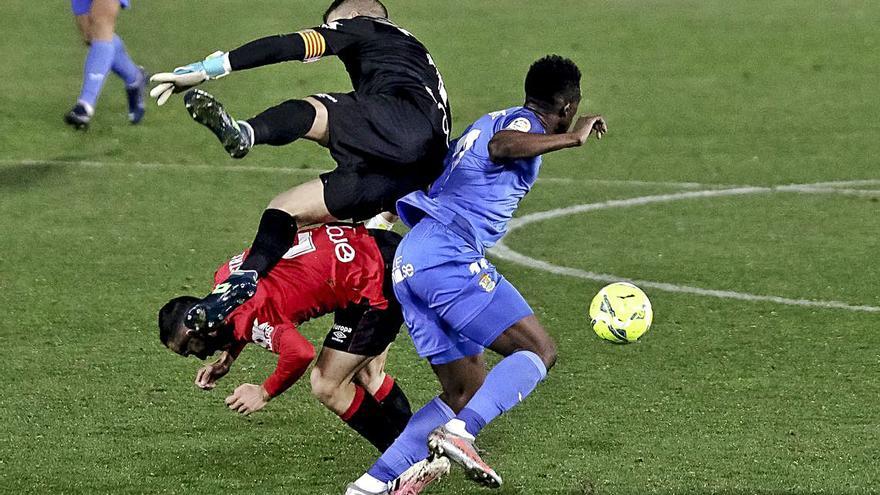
x=523 y=121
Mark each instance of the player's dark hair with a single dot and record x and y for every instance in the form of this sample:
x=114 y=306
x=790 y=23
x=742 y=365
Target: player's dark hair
x=553 y=81
x=379 y=6
x=171 y=316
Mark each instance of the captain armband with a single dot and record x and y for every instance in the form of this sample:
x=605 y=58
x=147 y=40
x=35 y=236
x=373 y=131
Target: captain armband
x=316 y=45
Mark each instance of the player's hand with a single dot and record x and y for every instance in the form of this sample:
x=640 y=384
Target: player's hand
x=587 y=125
x=248 y=398
x=188 y=76
x=207 y=376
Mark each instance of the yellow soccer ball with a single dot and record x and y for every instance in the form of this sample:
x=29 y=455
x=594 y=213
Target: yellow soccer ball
x=621 y=313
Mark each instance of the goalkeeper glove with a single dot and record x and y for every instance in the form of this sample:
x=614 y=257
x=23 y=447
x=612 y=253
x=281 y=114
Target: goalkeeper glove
x=188 y=76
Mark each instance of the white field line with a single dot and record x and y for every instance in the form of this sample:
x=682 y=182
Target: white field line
x=501 y=250
x=178 y=166
x=315 y=172
x=624 y=182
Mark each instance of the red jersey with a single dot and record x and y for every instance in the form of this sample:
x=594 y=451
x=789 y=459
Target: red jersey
x=328 y=268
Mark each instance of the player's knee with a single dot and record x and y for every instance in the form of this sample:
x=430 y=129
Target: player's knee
x=323 y=389
x=458 y=396
x=102 y=27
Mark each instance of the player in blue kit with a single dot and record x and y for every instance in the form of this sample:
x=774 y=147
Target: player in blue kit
x=96 y=20
x=454 y=301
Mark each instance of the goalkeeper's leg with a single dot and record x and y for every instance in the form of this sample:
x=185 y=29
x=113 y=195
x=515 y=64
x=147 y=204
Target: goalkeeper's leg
x=277 y=126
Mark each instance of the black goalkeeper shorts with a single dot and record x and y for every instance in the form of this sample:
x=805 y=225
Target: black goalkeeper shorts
x=364 y=330
x=384 y=146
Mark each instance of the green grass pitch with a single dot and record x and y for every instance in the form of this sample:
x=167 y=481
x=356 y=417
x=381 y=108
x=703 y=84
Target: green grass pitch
x=722 y=396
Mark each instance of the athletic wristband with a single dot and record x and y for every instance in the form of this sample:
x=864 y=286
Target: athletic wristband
x=217 y=65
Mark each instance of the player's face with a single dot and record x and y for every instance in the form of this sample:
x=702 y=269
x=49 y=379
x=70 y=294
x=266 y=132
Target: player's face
x=198 y=345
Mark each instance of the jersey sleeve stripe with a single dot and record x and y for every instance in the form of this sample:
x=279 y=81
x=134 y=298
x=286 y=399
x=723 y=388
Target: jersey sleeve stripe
x=315 y=44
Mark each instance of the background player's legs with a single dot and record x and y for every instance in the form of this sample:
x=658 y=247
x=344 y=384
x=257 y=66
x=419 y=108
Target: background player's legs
x=133 y=76
x=459 y=379
x=332 y=381
x=101 y=26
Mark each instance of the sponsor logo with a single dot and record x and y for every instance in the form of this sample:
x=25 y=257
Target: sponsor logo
x=340 y=333
x=327 y=97
x=261 y=334
x=486 y=283
x=521 y=124
x=402 y=273
x=345 y=253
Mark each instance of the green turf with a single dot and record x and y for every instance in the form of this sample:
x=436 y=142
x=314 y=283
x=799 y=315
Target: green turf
x=721 y=396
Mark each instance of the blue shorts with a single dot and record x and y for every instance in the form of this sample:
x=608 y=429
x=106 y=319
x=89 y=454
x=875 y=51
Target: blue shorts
x=454 y=301
x=82 y=7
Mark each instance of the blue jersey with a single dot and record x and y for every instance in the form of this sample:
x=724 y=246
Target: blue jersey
x=474 y=193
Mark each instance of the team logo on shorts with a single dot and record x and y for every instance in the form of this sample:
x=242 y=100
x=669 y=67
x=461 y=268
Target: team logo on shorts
x=487 y=283
x=478 y=266
x=340 y=333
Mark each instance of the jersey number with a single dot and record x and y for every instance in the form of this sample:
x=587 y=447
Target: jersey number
x=304 y=245
x=464 y=145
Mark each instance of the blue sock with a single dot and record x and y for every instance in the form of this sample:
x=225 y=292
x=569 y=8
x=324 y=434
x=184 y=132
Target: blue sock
x=412 y=444
x=97 y=66
x=123 y=66
x=509 y=382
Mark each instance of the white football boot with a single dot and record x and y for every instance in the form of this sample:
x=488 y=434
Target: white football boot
x=421 y=474
x=460 y=449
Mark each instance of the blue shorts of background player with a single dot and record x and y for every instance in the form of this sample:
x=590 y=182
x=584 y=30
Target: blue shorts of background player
x=82 y=7
x=96 y=20
x=455 y=303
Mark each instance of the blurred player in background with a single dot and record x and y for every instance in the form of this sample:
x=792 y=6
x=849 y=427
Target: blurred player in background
x=454 y=301
x=388 y=137
x=337 y=268
x=96 y=20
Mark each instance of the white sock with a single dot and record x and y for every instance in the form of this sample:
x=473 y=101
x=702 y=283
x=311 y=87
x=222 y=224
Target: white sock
x=457 y=427
x=90 y=110
x=379 y=222
x=242 y=124
x=371 y=484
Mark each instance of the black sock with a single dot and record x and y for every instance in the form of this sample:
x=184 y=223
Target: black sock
x=395 y=406
x=275 y=237
x=367 y=418
x=283 y=124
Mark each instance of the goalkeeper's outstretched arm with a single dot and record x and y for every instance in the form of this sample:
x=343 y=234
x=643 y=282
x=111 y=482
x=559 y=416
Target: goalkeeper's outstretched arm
x=304 y=46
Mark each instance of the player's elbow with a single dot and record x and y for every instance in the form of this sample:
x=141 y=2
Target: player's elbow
x=499 y=150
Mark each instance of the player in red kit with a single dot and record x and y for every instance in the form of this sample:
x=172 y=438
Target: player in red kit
x=339 y=268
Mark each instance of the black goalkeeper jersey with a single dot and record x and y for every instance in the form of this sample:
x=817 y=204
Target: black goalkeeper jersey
x=382 y=58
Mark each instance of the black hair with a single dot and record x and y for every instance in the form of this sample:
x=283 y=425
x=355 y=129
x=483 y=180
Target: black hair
x=553 y=81
x=339 y=3
x=171 y=316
